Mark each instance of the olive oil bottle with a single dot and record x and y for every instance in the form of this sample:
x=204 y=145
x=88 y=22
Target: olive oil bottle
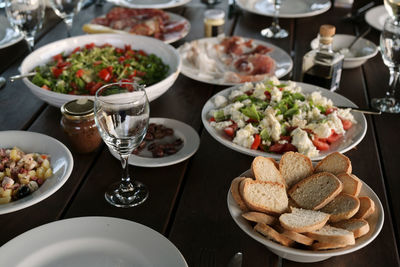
x=323 y=66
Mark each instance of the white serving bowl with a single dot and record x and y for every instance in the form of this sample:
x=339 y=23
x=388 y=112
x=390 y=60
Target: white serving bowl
x=61 y=162
x=302 y=255
x=362 y=49
x=41 y=56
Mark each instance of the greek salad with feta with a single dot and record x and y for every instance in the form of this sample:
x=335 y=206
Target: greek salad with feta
x=276 y=116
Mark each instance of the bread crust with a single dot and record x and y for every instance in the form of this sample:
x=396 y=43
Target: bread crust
x=358 y=232
x=345 y=240
x=259 y=217
x=328 y=199
x=236 y=194
x=351 y=183
x=323 y=246
x=367 y=208
x=272 y=234
x=299 y=238
x=320 y=167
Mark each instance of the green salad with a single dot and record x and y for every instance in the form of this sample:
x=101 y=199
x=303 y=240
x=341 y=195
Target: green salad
x=87 y=68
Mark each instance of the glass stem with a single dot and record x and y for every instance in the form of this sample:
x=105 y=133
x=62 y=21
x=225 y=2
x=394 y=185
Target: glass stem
x=394 y=79
x=68 y=21
x=31 y=42
x=126 y=179
x=277 y=6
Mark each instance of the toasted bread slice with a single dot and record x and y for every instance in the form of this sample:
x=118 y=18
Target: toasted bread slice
x=332 y=235
x=265 y=169
x=334 y=163
x=359 y=227
x=342 y=207
x=323 y=246
x=272 y=234
x=314 y=192
x=299 y=238
x=351 y=183
x=267 y=197
x=259 y=217
x=301 y=220
x=367 y=207
x=236 y=194
x=294 y=167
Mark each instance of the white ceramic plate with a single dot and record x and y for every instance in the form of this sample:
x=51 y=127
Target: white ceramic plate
x=150 y=3
x=91 y=242
x=61 y=162
x=189 y=136
x=352 y=137
x=41 y=56
x=168 y=37
x=376 y=17
x=284 y=63
x=8 y=36
x=300 y=255
x=289 y=8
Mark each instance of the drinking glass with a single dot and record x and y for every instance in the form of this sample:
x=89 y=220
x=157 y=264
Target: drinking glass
x=66 y=9
x=393 y=8
x=26 y=17
x=275 y=31
x=390 y=50
x=122 y=118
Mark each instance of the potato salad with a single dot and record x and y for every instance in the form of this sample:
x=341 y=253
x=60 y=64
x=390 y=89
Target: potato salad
x=21 y=173
x=276 y=117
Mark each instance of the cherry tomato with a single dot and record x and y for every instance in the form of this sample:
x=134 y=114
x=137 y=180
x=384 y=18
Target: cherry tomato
x=333 y=137
x=119 y=50
x=58 y=58
x=211 y=119
x=90 y=46
x=141 y=52
x=121 y=59
x=329 y=111
x=346 y=124
x=76 y=50
x=105 y=75
x=56 y=72
x=46 y=87
x=320 y=144
x=229 y=131
x=79 y=73
x=256 y=142
x=94 y=88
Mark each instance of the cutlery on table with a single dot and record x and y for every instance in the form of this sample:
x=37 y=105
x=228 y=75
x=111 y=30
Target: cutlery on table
x=358 y=37
x=365 y=111
x=356 y=14
x=21 y=76
x=236 y=260
x=2 y=82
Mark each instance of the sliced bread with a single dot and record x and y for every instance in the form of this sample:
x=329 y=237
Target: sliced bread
x=323 y=246
x=266 y=169
x=334 y=163
x=268 y=197
x=351 y=183
x=314 y=192
x=342 y=207
x=359 y=227
x=236 y=194
x=259 y=217
x=272 y=234
x=294 y=167
x=299 y=238
x=301 y=220
x=367 y=207
x=332 y=235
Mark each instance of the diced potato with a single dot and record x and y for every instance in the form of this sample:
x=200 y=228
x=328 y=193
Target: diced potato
x=46 y=164
x=21 y=175
x=40 y=172
x=4 y=200
x=24 y=180
x=14 y=155
x=2 y=174
x=32 y=173
x=7 y=193
x=48 y=173
x=8 y=172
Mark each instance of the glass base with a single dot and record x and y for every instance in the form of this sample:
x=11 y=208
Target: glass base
x=274 y=32
x=126 y=196
x=388 y=105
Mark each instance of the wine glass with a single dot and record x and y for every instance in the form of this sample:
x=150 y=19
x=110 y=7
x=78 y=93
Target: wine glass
x=275 y=31
x=26 y=17
x=66 y=9
x=390 y=50
x=393 y=8
x=122 y=118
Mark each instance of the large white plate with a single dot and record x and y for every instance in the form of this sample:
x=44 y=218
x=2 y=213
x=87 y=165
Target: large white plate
x=189 y=136
x=61 y=162
x=284 y=63
x=41 y=56
x=91 y=242
x=168 y=37
x=8 y=36
x=376 y=17
x=352 y=137
x=150 y=3
x=289 y=8
x=375 y=222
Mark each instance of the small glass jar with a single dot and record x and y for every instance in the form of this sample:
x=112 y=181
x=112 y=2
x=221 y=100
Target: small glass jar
x=214 y=22
x=78 y=123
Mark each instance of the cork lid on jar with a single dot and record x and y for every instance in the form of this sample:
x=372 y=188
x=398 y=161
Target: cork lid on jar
x=326 y=33
x=78 y=109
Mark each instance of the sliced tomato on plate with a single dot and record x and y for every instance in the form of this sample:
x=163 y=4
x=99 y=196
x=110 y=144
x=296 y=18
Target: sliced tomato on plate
x=346 y=124
x=229 y=131
x=333 y=137
x=277 y=148
x=256 y=142
x=320 y=144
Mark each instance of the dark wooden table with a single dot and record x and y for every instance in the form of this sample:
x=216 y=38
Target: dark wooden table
x=187 y=202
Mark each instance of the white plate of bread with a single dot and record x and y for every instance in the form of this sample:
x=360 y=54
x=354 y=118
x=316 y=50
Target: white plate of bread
x=304 y=212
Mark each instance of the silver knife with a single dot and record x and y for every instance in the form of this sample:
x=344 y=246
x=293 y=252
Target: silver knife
x=236 y=260
x=365 y=111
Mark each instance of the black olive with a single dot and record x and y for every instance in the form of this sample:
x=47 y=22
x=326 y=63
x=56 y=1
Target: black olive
x=178 y=142
x=23 y=191
x=149 y=136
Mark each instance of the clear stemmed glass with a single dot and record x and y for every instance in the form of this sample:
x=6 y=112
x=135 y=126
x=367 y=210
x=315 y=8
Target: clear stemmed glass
x=66 y=9
x=26 y=16
x=122 y=118
x=390 y=50
x=275 y=31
